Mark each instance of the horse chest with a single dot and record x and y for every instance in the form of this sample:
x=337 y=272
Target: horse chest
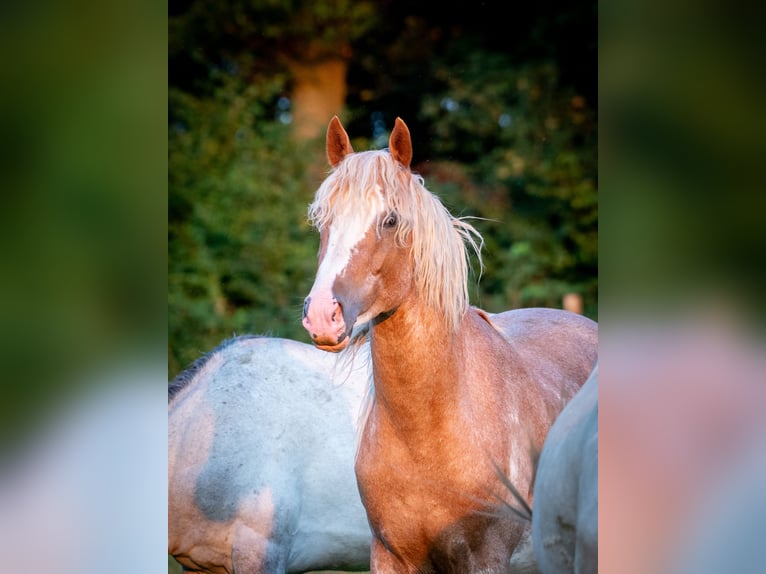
x=420 y=506
x=432 y=525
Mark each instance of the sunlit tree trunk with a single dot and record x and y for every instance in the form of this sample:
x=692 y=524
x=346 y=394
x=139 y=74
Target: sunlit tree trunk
x=318 y=90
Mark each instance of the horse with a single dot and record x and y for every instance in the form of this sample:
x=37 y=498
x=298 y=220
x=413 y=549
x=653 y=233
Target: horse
x=565 y=516
x=460 y=394
x=565 y=520
x=261 y=441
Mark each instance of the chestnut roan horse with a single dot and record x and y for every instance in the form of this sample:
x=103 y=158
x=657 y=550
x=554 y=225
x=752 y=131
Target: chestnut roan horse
x=461 y=396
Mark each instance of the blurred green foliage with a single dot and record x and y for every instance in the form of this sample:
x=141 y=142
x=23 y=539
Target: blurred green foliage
x=498 y=134
x=82 y=200
x=241 y=253
x=528 y=164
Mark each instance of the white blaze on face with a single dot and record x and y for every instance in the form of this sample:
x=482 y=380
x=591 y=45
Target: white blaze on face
x=343 y=235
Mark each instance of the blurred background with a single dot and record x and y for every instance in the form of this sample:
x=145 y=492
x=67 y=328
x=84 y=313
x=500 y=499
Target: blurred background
x=501 y=107
x=83 y=286
x=127 y=127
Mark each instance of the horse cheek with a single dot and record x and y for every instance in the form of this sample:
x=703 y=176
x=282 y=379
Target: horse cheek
x=392 y=279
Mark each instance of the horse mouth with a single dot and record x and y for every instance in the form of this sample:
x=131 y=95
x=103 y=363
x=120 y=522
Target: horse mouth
x=328 y=344
x=338 y=347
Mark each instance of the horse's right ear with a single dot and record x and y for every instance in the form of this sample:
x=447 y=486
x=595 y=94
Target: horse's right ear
x=400 y=143
x=338 y=144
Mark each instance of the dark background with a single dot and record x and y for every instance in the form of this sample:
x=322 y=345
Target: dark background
x=501 y=104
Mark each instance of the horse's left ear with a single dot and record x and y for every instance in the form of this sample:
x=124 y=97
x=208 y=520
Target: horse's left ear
x=400 y=143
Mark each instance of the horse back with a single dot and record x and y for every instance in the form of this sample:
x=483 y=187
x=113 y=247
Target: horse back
x=552 y=345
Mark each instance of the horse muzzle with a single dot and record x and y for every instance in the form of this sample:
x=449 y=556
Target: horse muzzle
x=323 y=319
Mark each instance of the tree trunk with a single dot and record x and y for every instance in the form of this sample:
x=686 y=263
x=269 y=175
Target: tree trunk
x=318 y=93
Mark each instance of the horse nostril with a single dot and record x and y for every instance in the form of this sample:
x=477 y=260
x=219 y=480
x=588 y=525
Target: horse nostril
x=337 y=311
x=306 y=303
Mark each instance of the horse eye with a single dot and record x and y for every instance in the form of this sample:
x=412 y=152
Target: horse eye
x=390 y=221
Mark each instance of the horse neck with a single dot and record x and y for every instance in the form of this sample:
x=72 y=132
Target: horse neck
x=415 y=360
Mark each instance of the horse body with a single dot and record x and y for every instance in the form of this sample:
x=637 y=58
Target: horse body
x=261 y=439
x=446 y=416
x=565 y=517
x=461 y=396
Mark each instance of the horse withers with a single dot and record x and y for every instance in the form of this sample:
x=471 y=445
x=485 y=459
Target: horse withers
x=261 y=442
x=461 y=395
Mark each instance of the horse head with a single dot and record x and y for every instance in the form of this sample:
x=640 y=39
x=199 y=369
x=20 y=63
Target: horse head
x=364 y=269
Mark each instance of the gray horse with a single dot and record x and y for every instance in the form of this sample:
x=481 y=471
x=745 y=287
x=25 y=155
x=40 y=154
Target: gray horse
x=565 y=516
x=564 y=534
x=261 y=444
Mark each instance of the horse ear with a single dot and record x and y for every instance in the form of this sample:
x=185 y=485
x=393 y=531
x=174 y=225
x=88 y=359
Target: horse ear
x=400 y=144
x=338 y=144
